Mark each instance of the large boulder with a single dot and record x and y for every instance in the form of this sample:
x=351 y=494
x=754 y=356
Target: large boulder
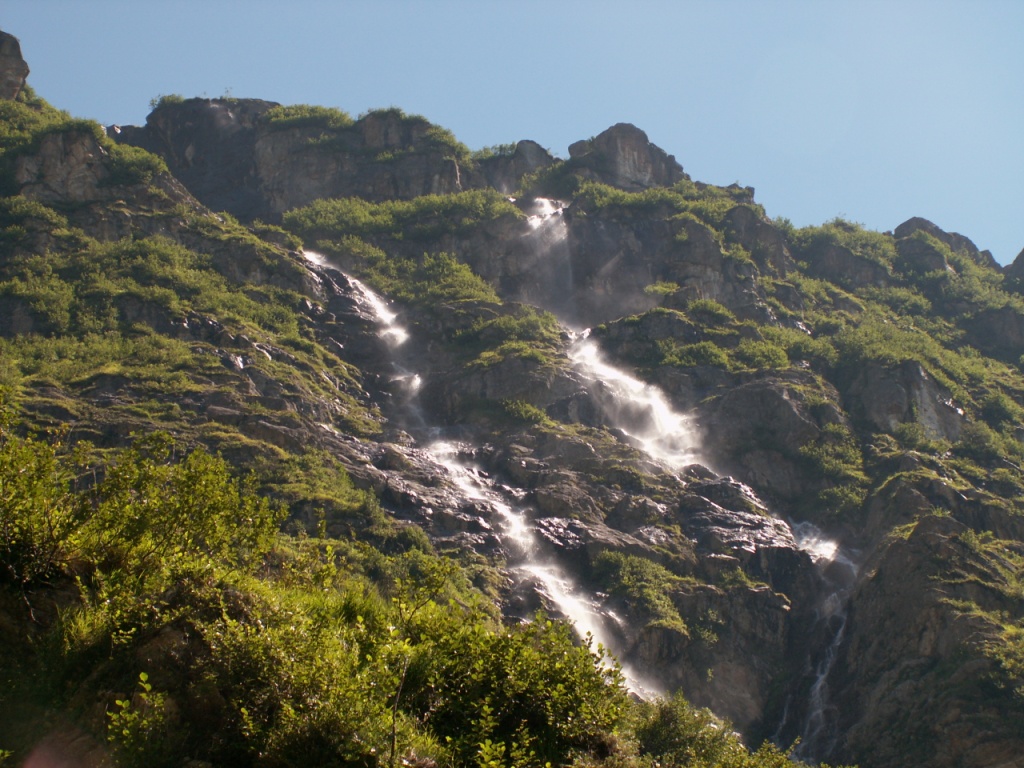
x=852 y=271
x=209 y=145
x=504 y=172
x=624 y=157
x=756 y=430
x=910 y=683
x=69 y=167
x=918 y=256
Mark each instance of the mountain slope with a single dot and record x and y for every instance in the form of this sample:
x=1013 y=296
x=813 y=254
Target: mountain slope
x=812 y=526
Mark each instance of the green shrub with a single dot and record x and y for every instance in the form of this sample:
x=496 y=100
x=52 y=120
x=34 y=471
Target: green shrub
x=307 y=115
x=131 y=165
x=643 y=584
x=495 y=150
x=759 y=355
x=531 y=691
x=871 y=245
x=690 y=355
x=422 y=218
x=676 y=734
x=166 y=100
x=661 y=288
x=709 y=312
x=39 y=509
x=525 y=412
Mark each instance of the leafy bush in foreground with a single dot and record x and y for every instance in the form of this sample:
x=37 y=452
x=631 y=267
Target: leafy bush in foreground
x=234 y=646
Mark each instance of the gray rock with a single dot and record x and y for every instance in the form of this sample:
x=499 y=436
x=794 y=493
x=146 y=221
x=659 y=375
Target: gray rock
x=623 y=157
x=13 y=68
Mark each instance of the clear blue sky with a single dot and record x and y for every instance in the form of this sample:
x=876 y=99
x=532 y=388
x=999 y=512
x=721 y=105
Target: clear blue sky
x=876 y=111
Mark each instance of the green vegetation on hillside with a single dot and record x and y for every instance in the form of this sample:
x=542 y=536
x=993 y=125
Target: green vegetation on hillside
x=302 y=115
x=227 y=644
x=422 y=218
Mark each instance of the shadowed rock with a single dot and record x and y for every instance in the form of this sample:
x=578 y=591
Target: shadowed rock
x=13 y=68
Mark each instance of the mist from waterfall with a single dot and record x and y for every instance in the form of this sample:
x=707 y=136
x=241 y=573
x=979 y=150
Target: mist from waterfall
x=548 y=236
x=638 y=410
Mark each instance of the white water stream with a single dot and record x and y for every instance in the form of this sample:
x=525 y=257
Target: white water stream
x=643 y=414
x=637 y=409
x=819 y=734
x=541 y=219
x=581 y=610
x=391 y=332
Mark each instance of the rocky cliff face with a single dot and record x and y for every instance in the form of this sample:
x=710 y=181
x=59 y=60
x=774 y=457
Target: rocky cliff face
x=13 y=68
x=235 y=157
x=836 y=554
x=623 y=157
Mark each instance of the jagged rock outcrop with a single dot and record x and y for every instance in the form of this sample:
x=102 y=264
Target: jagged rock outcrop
x=75 y=172
x=757 y=428
x=902 y=662
x=846 y=268
x=955 y=241
x=919 y=257
x=504 y=172
x=13 y=68
x=1014 y=271
x=234 y=157
x=730 y=658
x=69 y=167
x=600 y=266
x=624 y=157
x=209 y=145
x=766 y=244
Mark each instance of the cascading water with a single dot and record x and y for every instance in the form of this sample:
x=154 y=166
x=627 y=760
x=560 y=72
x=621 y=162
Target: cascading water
x=391 y=332
x=642 y=413
x=637 y=409
x=819 y=733
x=540 y=220
x=583 y=611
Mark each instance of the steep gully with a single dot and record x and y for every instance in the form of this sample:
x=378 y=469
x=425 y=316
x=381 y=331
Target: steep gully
x=643 y=416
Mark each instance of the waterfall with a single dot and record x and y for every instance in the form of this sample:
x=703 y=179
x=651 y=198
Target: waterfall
x=583 y=611
x=637 y=409
x=819 y=732
x=542 y=220
x=392 y=333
